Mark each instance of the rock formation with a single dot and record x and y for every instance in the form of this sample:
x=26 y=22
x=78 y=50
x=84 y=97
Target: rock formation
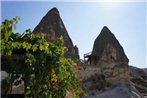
x=106 y=73
x=120 y=91
x=110 y=57
x=52 y=26
x=106 y=43
x=139 y=78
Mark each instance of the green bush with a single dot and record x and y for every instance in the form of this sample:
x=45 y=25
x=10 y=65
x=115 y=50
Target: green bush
x=42 y=66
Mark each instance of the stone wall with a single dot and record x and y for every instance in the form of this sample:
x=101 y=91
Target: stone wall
x=85 y=71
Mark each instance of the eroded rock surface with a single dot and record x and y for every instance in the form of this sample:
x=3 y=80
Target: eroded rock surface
x=139 y=78
x=106 y=43
x=116 y=92
x=110 y=57
x=52 y=26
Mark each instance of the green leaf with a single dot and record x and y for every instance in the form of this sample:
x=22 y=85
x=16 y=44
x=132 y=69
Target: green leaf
x=28 y=92
x=17 y=45
x=34 y=47
x=28 y=46
x=41 y=47
x=9 y=53
x=14 y=26
x=24 y=45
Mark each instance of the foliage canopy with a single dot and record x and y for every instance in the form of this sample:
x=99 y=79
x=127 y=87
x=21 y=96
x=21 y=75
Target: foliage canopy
x=40 y=64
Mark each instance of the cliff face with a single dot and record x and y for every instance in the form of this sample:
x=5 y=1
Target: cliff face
x=52 y=26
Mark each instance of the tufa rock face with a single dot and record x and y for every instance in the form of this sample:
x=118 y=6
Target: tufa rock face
x=109 y=56
x=52 y=26
x=107 y=42
x=139 y=78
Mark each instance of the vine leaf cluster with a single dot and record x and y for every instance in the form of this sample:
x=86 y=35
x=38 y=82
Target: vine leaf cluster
x=41 y=65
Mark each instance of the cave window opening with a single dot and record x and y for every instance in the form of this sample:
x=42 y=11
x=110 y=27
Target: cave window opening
x=111 y=57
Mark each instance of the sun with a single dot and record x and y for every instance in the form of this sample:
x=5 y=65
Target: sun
x=111 y=3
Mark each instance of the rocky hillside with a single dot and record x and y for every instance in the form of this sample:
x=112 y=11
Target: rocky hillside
x=115 y=92
x=96 y=85
x=106 y=73
x=52 y=26
x=139 y=78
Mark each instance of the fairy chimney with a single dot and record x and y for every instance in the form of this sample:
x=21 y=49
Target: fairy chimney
x=110 y=57
x=52 y=26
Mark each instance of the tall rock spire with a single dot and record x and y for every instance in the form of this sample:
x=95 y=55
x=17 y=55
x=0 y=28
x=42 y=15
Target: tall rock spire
x=104 y=42
x=110 y=57
x=52 y=26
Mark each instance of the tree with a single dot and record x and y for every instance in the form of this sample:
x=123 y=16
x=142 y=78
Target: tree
x=40 y=64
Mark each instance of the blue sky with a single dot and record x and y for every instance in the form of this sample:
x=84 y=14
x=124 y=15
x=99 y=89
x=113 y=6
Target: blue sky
x=84 y=21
